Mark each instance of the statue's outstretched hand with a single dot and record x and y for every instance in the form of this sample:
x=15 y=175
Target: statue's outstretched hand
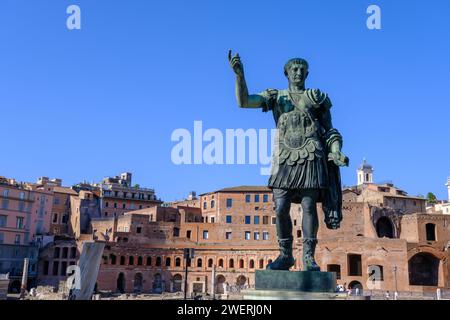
x=338 y=158
x=236 y=64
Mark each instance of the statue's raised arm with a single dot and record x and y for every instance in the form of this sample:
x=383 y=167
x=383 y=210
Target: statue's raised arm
x=243 y=98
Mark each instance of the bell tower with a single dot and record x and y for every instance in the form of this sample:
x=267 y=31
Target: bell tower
x=448 y=188
x=365 y=173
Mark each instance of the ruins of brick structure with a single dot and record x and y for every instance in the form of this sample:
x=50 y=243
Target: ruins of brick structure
x=386 y=242
x=386 y=235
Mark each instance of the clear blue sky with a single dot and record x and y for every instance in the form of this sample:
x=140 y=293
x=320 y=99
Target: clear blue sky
x=81 y=105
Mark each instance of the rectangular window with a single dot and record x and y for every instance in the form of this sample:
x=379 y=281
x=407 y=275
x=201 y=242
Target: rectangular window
x=6 y=193
x=3 y=221
x=19 y=222
x=2 y=238
x=265 y=235
x=65 y=252
x=265 y=198
x=55 y=268
x=247 y=198
x=56 y=201
x=65 y=218
x=45 y=268
x=229 y=219
x=228 y=235
x=5 y=203
x=63 y=268
x=188 y=234
x=55 y=218
x=115 y=204
x=17 y=239
x=73 y=252
x=376 y=272
x=335 y=268
x=265 y=219
x=138 y=229
x=256 y=197
x=256 y=219
x=205 y=234
x=247 y=235
x=256 y=236
x=274 y=220
x=213 y=219
x=248 y=219
x=106 y=204
x=354 y=265
x=123 y=205
x=229 y=203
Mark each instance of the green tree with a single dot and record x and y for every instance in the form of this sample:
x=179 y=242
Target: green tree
x=431 y=198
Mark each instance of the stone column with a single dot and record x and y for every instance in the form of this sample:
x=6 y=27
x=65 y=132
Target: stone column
x=23 y=287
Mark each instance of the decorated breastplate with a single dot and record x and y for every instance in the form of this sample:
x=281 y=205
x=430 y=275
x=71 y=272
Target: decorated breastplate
x=298 y=137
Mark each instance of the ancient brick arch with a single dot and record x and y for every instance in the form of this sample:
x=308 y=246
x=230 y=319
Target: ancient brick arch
x=220 y=284
x=426 y=249
x=423 y=269
x=386 y=222
x=424 y=266
x=177 y=282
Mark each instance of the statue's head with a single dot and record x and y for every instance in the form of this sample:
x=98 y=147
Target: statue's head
x=296 y=70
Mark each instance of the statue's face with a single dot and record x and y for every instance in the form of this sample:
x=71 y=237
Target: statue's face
x=297 y=74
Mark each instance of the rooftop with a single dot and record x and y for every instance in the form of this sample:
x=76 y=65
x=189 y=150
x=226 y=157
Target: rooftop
x=242 y=189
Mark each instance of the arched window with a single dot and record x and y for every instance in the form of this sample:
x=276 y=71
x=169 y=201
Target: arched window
x=199 y=262
x=241 y=263
x=251 y=264
x=131 y=261
x=112 y=258
x=423 y=270
x=158 y=261
x=385 y=228
x=221 y=263
x=177 y=262
x=231 y=263
x=261 y=263
x=213 y=203
x=122 y=260
x=149 y=261
x=139 y=261
x=168 y=262
x=210 y=263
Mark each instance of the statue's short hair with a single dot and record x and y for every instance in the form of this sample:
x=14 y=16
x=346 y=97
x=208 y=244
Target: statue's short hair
x=295 y=61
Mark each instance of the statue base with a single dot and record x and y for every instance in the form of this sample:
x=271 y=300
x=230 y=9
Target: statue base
x=293 y=285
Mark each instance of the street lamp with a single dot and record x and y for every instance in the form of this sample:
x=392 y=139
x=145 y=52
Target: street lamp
x=395 y=280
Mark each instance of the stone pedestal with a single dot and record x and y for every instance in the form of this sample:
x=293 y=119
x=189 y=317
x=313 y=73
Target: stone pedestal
x=295 y=285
